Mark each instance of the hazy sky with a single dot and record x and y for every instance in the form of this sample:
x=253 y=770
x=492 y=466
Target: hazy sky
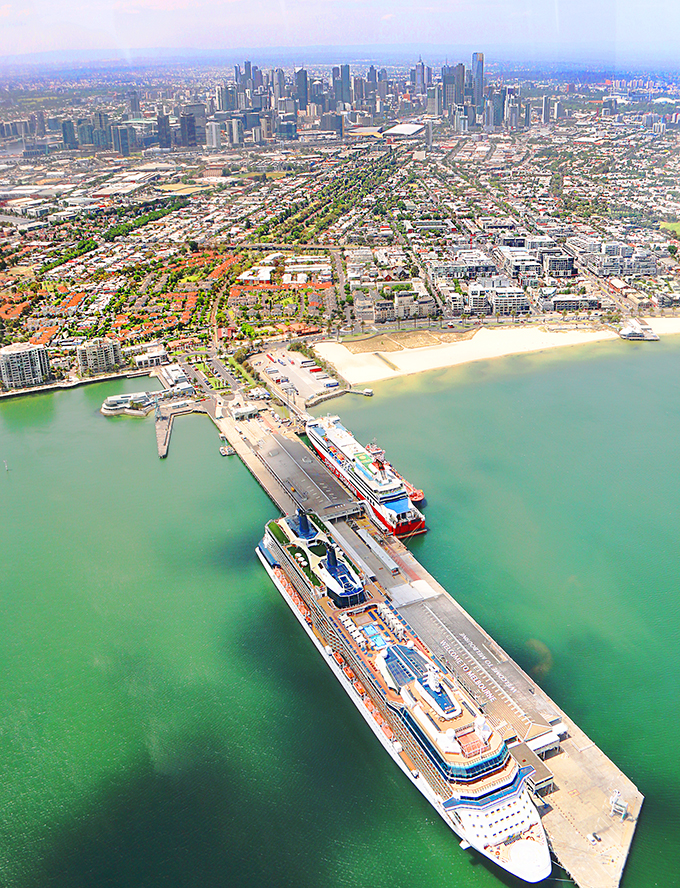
x=647 y=28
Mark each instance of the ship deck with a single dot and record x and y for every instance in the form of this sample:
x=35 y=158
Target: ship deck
x=584 y=778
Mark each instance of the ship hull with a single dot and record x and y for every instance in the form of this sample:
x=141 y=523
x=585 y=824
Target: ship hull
x=405 y=529
x=418 y=781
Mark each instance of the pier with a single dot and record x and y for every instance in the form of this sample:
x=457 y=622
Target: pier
x=588 y=807
x=165 y=416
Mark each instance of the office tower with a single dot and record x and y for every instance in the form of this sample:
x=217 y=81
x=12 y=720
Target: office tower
x=498 y=103
x=434 y=100
x=237 y=73
x=236 y=131
x=489 y=114
x=187 y=126
x=40 y=123
x=358 y=89
x=345 y=84
x=121 y=140
x=545 y=111
x=448 y=91
x=85 y=134
x=459 y=75
x=279 y=84
x=527 y=114
x=101 y=138
x=372 y=76
x=478 y=79
x=213 y=135
x=164 y=134
x=23 y=364
x=68 y=132
x=247 y=71
x=133 y=100
x=419 y=81
x=221 y=98
x=100 y=120
x=301 y=88
x=558 y=110
x=258 y=78
x=428 y=134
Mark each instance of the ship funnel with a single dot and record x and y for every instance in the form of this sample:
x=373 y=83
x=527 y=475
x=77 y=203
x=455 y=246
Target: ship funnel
x=331 y=557
x=303 y=523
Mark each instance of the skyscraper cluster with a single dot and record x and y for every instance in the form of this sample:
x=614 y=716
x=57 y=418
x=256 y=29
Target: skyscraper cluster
x=257 y=106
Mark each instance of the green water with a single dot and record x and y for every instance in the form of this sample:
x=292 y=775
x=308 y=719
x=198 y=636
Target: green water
x=164 y=721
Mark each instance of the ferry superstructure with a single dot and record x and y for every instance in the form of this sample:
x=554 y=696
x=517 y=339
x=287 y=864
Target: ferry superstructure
x=373 y=482
x=425 y=720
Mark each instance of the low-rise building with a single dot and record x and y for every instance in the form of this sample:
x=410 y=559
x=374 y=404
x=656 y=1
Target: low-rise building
x=572 y=302
x=384 y=311
x=501 y=295
x=151 y=358
x=558 y=265
x=518 y=262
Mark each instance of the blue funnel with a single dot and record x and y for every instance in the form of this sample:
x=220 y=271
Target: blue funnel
x=303 y=524
x=331 y=557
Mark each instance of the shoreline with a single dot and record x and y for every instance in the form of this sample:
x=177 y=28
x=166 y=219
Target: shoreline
x=486 y=344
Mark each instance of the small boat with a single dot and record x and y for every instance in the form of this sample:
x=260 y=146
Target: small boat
x=227 y=451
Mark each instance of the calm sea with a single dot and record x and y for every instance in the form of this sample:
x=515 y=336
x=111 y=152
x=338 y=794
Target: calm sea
x=164 y=721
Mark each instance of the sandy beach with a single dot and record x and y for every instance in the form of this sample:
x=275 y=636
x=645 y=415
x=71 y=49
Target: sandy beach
x=365 y=367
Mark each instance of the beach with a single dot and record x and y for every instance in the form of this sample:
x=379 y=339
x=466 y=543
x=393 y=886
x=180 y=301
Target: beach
x=373 y=366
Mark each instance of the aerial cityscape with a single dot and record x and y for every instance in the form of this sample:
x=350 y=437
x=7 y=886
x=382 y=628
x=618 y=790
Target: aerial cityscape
x=306 y=271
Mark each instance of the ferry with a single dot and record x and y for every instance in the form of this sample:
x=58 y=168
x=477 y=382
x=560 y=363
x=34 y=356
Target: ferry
x=425 y=720
x=414 y=494
x=369 y=478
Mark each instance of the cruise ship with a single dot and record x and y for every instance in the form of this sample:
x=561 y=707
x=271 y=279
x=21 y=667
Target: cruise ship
x=369 y=478
x=424 y=719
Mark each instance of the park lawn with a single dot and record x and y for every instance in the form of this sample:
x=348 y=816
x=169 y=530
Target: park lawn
x=672 y=226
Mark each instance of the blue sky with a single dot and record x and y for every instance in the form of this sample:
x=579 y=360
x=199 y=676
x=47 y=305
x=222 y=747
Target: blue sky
x=644 y=29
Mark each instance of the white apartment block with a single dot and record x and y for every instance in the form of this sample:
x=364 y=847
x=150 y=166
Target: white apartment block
x=100 y=355
x=23 y=364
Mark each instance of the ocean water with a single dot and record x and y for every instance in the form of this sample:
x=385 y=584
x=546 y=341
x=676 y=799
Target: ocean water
x=164 y=721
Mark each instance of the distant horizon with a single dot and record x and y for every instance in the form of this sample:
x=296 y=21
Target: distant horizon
x=612 y=33
x=497 y=57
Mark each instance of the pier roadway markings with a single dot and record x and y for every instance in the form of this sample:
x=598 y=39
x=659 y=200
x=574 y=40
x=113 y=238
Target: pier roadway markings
x=305 y=479
x=486 y=691
x=584 y=777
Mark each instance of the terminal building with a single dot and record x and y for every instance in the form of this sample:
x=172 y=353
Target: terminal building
x=100 y=355
x=23 y=364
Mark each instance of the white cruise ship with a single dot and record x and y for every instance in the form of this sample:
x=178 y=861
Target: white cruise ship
x=427 y=722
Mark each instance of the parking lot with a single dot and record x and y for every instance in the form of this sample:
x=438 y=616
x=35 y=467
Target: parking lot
x=284 y=369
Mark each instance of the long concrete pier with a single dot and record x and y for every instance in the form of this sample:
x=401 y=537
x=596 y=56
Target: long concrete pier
x=588 y=807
